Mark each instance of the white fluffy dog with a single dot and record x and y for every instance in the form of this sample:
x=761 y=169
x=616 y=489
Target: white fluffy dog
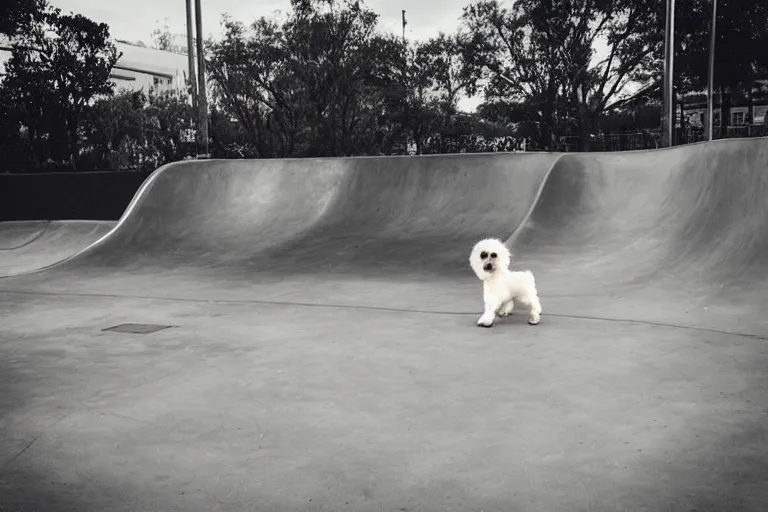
x=490 y=259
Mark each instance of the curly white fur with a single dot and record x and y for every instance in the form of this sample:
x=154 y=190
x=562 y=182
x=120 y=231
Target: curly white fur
x=490 y=260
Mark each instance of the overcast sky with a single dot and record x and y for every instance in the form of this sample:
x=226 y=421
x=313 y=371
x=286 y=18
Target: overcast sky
x=136 y=19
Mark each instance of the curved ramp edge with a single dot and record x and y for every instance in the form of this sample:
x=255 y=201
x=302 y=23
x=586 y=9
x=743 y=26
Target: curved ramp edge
x=242 y=216
x=26 y=247
x=695 y=214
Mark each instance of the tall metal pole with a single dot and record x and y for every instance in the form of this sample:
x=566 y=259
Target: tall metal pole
x=669 y=90
x=711 y=77
x=191 y=60
x=404 y=24
x=202 y=96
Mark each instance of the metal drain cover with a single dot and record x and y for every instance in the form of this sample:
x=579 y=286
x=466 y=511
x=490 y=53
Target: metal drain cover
x=137 y=328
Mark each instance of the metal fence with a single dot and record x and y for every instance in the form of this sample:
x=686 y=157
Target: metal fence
x=610 y=142
x=653 y=139
x=626 y=141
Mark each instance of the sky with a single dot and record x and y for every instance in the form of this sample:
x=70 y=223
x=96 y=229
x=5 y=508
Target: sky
x=135 y=20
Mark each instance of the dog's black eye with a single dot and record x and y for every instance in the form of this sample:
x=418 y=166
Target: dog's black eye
x=483 y=255
x=493 y=255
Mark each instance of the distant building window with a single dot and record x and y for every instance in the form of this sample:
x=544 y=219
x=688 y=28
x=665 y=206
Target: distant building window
x=737 y=118
x=158 y=80
x=760 y=116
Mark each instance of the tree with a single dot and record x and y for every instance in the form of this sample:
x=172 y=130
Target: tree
x=419 y=111
x=55 y=70
x=322 y=83
x=134 y=130
x=113 y=131
x=434 y=75
x=18 y=16
x=444 y=66
x=542 y=54
x=169 y=117
x=253 y=85
x=508 y=118
x=164 y=39
x=342 y=67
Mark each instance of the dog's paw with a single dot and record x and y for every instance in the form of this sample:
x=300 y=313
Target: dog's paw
x=534 y=319
x=485 y=322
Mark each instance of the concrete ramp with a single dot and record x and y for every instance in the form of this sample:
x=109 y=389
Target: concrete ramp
x=319 y=215
x=687 y=222
x=696 y=213
x=27 y=246
x=695 y=216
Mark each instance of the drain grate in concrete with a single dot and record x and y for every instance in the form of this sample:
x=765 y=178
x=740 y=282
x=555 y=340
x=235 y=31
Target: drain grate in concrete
x=137 y=328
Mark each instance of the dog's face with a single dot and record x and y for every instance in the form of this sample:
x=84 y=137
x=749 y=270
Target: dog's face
x=488 y=257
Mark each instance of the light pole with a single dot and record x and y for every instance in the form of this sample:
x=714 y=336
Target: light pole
x=191 y=60
x=711 y=77
x=201 y=96
x=669 y=91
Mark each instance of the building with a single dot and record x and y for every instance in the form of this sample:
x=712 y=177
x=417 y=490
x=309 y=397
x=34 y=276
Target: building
x=746 y=107
x=139 y=67
x=148 y=68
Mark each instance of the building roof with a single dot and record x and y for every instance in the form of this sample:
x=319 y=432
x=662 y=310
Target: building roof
x=150 y=60
x=134 y=58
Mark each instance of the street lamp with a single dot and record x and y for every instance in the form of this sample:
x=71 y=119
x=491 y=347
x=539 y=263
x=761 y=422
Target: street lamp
x=669 y=57
x=199 y=97
x=711 y=77
x=191 y=56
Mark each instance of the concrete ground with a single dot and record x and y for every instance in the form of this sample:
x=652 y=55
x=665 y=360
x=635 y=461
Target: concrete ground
x=331 y=370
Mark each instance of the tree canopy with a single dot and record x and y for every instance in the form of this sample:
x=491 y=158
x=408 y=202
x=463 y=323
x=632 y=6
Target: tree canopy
x=324 y=80
x=57 y=66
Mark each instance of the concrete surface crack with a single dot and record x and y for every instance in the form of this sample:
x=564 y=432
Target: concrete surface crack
x=29 y=445
x=20 y=453
x=123 y=416
x=376 y=308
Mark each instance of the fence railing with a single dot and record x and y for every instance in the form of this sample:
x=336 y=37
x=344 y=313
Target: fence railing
x=626 y=141
x=653 y=139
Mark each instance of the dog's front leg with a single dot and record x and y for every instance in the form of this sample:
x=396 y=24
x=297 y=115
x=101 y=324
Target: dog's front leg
x=507 y=308
x=489 y=315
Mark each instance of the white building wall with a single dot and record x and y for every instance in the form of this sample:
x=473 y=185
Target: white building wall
x=137 y=68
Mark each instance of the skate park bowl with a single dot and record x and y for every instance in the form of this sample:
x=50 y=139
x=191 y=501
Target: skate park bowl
x=26 y=246
x=299 y=335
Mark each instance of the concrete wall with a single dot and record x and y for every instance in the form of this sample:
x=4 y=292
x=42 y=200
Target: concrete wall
x=68 y=195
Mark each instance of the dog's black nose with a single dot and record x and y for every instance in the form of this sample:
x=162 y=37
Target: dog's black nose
x=488 y=267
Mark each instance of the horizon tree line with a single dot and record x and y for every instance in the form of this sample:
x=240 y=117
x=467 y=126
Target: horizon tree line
x=323 y=80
